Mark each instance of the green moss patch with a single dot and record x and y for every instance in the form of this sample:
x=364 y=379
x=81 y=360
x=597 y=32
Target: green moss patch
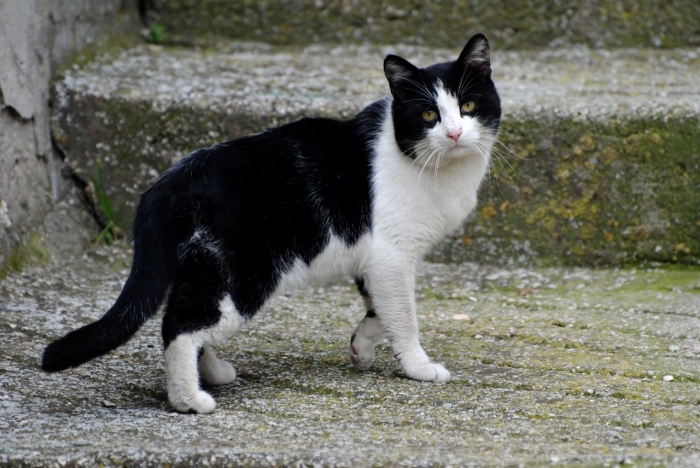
x=34 y=251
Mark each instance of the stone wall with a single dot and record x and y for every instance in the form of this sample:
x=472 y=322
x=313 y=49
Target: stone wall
x=38 y=213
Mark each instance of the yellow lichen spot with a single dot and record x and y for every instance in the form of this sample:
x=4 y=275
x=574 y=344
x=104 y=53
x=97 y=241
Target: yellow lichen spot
x=608 y=237
x=488 y=212
x=655 y=138
x=682 y=248
x=586 y=142
x=505 y=207
x=588 y=231
x=639 y=233
x=563 y=174
x=568 y=214
x=59 y=137
x=466 y=240
x=613 y=223
x=609 y=154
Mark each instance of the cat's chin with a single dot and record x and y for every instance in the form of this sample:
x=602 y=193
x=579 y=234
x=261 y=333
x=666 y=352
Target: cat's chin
x=461 y=151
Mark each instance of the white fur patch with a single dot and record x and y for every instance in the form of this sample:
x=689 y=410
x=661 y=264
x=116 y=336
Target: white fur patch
x=336 y=261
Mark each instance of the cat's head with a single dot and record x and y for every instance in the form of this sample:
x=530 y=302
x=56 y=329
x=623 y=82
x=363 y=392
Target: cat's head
x=447 y=110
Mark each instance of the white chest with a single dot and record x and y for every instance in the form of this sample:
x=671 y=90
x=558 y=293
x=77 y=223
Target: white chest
x=415 y=207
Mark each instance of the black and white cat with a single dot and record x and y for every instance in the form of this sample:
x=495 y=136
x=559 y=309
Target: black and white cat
x=229 y=227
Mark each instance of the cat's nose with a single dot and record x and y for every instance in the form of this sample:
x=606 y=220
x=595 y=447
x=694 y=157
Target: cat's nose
x=454 y=134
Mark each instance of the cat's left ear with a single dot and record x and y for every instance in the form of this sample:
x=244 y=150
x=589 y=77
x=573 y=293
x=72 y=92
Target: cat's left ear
x=477 y=54
x=400 y=73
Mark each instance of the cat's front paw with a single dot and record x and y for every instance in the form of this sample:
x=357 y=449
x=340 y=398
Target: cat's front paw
x=430 y=372
x=361 y=352
x=201 y=403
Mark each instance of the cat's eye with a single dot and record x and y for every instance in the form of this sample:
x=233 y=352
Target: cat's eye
x=429 y=115
x=468 y=106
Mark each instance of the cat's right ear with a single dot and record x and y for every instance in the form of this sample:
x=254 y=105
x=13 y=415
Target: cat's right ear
x=400 y=73
x=477 y=54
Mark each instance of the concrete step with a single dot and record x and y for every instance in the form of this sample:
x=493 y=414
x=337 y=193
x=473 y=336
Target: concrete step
x=562 y=366
x=600 y=155
x=520 y=24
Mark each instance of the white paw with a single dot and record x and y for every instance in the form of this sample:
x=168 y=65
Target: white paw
x=218 y=373
x=417 y=366
x=430 y=372
x=201 y=403
x=361 y=352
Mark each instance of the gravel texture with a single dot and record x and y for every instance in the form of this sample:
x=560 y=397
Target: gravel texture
x=550 y=366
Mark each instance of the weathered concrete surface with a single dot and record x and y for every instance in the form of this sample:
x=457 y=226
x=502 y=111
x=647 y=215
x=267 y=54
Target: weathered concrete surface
x=38 y=213
x=516 y=24
x=600 y=162
x=557 y=366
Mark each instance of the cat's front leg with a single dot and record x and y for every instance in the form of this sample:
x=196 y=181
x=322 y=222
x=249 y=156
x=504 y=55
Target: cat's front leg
x=392 y=288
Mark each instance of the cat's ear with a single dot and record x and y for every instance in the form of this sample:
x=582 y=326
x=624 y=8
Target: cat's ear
x=400 y=73
x=477 y=54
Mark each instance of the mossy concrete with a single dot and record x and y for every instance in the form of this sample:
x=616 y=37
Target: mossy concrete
x=598 y=161
x=550 y=367
x=590 y=193
x=33 y=251
x=515 y=24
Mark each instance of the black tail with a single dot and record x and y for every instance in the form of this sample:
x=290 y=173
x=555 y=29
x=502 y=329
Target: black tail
x=138 y=301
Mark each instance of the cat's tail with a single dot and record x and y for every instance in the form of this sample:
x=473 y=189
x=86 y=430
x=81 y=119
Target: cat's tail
x=143 y=292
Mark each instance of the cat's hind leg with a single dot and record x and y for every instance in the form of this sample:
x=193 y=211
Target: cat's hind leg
x=199 y=313
x=182 y=378
x=367 y=333
x=214 y=371
x=192 y=322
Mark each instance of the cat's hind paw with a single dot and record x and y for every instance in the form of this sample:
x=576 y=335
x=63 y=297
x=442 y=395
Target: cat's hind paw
x=201 y=403
x=214 y=371
x=361 y=352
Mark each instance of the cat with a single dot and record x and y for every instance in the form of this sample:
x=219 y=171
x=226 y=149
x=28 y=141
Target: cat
x=228 y=227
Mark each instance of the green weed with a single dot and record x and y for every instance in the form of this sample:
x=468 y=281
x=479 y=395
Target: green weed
x=157 y=35
x=111 y=230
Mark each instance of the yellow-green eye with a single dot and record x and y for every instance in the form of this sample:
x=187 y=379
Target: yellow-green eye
x=429 y=115
x=468 y=106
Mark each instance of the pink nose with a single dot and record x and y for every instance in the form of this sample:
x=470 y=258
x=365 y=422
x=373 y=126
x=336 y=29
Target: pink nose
x=454 y=134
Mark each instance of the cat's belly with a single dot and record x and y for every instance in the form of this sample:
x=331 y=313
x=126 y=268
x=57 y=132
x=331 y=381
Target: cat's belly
x=336 y=261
